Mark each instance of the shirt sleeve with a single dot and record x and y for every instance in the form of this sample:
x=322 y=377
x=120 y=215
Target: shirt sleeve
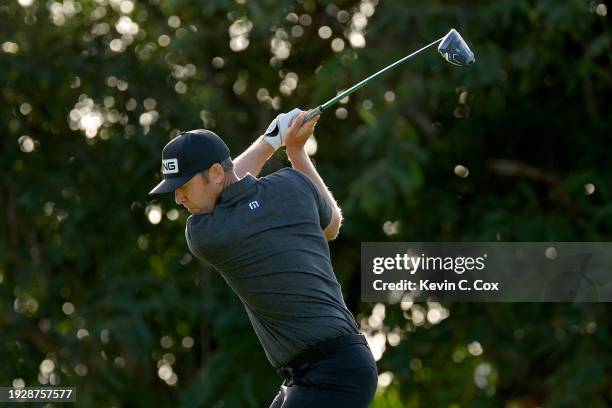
x=323 y=207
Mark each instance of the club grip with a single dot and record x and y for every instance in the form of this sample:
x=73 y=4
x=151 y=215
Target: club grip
x=310 y=115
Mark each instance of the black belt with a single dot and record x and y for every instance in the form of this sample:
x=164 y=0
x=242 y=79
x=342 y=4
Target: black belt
x=319 y=350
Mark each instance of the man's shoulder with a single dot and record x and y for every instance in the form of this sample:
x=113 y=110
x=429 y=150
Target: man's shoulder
x=284 y=172
x=287 y=173
x=290 y=180
x=196 y=221
x=188 y=226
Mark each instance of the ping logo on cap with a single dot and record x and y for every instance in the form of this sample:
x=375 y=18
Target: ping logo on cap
x=170 y=166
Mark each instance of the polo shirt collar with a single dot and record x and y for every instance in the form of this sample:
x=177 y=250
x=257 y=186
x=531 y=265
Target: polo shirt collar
x=237 y=189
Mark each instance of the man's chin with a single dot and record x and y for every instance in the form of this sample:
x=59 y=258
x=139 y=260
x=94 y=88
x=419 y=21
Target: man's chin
x=195 y=211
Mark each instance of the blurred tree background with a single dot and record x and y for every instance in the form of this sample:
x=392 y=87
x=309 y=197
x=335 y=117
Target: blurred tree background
x=97 y=287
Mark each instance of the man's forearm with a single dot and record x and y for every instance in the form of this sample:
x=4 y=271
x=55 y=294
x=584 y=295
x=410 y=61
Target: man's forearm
x=253 y=159
x=301 y=161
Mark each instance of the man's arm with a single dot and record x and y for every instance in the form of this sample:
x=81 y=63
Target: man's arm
x=297 y=135
x=253 y=159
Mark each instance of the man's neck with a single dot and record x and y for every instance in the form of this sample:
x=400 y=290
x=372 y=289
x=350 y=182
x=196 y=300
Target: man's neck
x=230 y=178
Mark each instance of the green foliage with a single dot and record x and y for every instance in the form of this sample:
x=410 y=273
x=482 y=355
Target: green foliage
x=88 y=282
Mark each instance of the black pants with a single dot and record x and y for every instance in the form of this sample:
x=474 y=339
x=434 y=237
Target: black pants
x=346 y=378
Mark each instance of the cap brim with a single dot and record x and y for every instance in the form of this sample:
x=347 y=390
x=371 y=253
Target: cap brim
x=170 y=184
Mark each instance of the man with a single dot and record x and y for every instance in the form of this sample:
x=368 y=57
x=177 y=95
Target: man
x=268 y=237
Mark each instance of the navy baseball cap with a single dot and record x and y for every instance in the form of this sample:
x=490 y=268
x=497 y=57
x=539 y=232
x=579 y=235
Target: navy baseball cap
x=188 y=154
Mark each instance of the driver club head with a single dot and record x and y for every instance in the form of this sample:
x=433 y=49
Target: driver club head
x=455 y=50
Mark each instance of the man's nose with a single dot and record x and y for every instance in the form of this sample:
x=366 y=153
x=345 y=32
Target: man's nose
x=178 y=197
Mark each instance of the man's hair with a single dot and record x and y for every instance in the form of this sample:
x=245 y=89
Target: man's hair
x=227 y=165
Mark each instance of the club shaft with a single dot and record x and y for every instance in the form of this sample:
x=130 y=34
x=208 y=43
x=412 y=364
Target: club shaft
x=368 y=79
x=319 y=109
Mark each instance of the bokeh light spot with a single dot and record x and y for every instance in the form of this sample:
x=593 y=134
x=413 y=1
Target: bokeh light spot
x=325 y=32
x=154 y=214
x=26 y=144
x=341 y=113
x=461 y=171
x=337 y=44
x=68 y=308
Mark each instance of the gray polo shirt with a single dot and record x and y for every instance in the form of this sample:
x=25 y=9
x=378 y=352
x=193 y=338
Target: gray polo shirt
x=265 y=237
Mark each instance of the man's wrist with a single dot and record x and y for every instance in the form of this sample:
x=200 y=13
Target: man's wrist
x=296 y=153
x=272 y=141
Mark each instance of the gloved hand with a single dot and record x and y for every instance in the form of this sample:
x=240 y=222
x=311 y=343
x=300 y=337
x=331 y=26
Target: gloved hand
x=275 y=134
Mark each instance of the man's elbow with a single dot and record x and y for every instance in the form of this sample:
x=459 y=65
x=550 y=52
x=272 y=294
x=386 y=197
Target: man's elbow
x=330 y=235
x=333 y=229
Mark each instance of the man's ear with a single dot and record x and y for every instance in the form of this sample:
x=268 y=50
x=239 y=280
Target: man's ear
x=216 y=173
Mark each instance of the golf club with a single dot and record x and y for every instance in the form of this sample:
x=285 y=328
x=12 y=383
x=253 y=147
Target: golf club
x=452 y=48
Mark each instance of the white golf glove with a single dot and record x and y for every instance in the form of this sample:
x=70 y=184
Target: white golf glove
x=275 y=134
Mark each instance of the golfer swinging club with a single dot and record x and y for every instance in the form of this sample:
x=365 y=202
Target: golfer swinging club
x=268 y=238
